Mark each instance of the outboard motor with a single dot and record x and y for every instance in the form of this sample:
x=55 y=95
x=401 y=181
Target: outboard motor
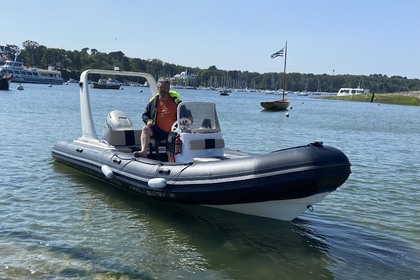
x=116 y=120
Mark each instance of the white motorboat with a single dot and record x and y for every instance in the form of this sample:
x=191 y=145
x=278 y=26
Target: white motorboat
x=21 y=74
x=352 y=91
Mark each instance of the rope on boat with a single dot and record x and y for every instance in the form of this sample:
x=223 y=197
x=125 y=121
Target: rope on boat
x=175 y=176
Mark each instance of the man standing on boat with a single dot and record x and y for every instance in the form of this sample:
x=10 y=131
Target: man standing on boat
x=159 y=116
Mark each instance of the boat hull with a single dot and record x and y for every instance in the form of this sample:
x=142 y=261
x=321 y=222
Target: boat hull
x=45 y=81
x=5 y=83
x=285 y=210
x=279 y=105
x=107 y=86
x=284 y=182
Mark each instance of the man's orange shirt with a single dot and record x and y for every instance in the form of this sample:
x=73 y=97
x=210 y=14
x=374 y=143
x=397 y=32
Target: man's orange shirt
x=166 y=114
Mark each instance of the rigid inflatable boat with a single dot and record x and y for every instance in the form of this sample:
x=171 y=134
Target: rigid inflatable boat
x=281 y=184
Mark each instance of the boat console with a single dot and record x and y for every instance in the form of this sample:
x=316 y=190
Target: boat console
x=199 y=131
x=196 y=132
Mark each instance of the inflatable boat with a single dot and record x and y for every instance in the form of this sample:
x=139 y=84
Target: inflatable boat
x=281 y=184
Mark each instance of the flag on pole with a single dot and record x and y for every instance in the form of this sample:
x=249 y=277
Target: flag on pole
x=279 y=53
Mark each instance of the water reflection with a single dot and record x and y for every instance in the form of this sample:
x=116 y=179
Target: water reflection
x=358 y=251
x=214 y=242
x=103 y=232
x=207 y=241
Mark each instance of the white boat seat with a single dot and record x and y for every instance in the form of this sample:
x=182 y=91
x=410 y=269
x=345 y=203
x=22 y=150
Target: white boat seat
x=124 y=138
x=204 y=144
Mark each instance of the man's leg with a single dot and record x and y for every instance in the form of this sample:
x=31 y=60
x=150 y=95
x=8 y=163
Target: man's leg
x=146 y=133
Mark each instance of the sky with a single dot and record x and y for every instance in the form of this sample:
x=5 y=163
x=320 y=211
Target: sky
x=359 y=37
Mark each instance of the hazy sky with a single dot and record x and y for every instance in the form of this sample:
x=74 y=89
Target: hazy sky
x=359 y=37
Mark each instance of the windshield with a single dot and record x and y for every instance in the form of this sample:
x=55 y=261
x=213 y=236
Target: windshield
x=202 y=117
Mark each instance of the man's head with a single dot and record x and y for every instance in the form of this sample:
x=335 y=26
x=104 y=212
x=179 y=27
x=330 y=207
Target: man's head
x=163 y=85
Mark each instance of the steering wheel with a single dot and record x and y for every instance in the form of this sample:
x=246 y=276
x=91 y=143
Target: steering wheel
x=174 y=126
x=184 y=122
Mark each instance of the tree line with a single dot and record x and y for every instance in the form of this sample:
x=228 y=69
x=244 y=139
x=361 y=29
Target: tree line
x=73 y=63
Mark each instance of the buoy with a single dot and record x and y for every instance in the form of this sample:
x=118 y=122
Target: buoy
x=50 y=85
x=19 y=87
x=157 y=183
x=107 y=171
x=287 y=114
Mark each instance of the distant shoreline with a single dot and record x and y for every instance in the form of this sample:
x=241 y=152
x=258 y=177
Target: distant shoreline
x=409 y=93
x=410 y=98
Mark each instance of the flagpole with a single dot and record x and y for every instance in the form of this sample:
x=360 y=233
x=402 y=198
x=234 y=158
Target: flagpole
x=279 y=104
x=284 y=71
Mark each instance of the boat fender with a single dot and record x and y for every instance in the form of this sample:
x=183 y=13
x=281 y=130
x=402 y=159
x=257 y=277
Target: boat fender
x=157 y=183
x=107 y=171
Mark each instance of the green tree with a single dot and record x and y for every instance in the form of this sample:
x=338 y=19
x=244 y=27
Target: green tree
x=53 y=57
x=72 y=63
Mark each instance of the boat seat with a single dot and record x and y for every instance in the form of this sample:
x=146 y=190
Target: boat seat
x=125 y=138
x=204 y=144
x=154 y=145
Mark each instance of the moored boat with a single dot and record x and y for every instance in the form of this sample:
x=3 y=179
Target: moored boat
x=224 y=92
x=106 y=84
x=277 y=105
x=352 y=91
x=283 y=104
x=30 y=75
x=280 y=185
x=5 y=82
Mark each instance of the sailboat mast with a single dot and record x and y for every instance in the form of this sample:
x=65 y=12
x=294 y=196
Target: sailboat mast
x=284 y=70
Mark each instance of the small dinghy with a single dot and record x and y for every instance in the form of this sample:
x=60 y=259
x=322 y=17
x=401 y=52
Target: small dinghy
x=281 y=184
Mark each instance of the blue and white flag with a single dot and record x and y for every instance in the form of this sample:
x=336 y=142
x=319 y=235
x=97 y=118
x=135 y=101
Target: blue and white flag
x=279 y=53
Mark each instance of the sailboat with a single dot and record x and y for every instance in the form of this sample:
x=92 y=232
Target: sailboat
x=278 y=105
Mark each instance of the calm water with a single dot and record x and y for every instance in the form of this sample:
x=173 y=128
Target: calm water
x=57 y=223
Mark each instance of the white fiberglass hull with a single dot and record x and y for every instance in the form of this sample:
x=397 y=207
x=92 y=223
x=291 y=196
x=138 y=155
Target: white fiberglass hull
x=285 y=210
